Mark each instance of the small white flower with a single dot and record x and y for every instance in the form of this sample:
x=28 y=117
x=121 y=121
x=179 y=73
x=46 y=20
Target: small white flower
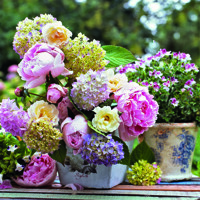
x=1 y=178
x=27 y=159
x=12 y=148
x=37 y=154
x=19 y=167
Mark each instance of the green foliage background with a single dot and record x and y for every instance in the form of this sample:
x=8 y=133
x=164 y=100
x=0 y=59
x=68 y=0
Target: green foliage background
x=109 y=22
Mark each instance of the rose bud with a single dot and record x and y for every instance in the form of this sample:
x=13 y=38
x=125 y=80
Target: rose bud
x=19 y=91
x=73 y=132
x=55 y=93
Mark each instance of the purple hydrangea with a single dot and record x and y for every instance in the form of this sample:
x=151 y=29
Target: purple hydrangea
x=99 y=149
x=13 y=119
x=90 y=90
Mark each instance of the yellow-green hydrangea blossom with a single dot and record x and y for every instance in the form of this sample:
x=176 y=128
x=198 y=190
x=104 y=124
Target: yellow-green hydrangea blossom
x=42 y=136
x=29 y=32
x=82 y=55
x=144 y=173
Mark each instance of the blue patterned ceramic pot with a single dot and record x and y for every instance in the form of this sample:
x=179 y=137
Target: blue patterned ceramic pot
x=173 y=145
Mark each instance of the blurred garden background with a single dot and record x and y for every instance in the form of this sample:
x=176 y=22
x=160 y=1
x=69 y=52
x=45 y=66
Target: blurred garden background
x=142 y=26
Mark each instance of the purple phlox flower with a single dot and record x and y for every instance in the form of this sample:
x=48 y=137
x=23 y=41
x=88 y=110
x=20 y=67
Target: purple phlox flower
x=190 y=67
x=131 y=68
x=190 y=91
x=158 y=181
x=145 y=83
x=174 y=102
x=182 y=56
x=163 y=78
x=166 y=85
x=151 y=84
x=189 y=83
x=156 y=86
x=174 y=80
x=155 y=73
x=139 y=80
x=183 y=90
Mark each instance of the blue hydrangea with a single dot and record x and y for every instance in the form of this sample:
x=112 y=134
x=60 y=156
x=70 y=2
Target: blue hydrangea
x=13 y=119
x=90 y=90
x=99 y=149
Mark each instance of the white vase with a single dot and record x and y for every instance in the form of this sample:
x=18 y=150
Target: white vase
x=173 y=145
x=90 y=176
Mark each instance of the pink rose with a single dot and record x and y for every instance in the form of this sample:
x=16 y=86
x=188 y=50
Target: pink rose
x=73 y=132
x=139 y=110
x=39 y=172
x=39 y=61
x=63 y=107
x=55 y=93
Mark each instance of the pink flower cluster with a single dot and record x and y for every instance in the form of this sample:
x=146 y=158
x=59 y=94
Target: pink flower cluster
x=139 y=110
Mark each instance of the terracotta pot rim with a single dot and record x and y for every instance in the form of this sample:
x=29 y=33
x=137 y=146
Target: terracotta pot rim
x=176 y=125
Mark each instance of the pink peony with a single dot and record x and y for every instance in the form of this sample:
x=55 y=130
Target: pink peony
x=73 y=132
x=139 y=110
x=63 y=108
x=55 y=93
x=39 y=61
x=39 y=172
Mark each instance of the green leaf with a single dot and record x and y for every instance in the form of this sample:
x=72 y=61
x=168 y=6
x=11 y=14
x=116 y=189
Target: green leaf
x=93 y=128
x=60 y=154
x=118 y=56
x=126 y=159
x=142 y=152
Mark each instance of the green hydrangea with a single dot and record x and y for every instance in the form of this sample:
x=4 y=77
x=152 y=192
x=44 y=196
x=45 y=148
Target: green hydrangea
x=12 y=154
x=42 y=136
x=82 y=55
x=29 y=32
x=144 y=173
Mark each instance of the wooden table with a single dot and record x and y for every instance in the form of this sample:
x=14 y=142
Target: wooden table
x=120 y=192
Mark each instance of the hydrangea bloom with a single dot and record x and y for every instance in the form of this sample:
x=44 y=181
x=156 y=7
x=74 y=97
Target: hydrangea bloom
x=12 y=118
x=82 y=55
x=39 y=61
x=98 y=149
x=42 y=136
x=139 y=110
x=90 y=90
x=143 y=173
x=29 y=32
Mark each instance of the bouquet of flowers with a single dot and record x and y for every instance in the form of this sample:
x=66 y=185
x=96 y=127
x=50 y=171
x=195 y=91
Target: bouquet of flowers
x=83 y=101
x=173 y=80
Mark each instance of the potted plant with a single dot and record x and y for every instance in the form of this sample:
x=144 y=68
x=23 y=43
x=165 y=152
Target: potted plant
x=83 y=103
x=172 y=79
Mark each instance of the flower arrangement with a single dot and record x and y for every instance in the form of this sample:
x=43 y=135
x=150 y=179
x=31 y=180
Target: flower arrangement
x=172 y=79
x=83 y=102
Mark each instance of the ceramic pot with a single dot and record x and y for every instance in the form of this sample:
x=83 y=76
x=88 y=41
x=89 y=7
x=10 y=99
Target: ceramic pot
x=89 y=175
x=173 y=145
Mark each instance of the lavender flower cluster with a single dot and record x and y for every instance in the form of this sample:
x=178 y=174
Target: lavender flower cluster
x=99 y=149
x=12 y=118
